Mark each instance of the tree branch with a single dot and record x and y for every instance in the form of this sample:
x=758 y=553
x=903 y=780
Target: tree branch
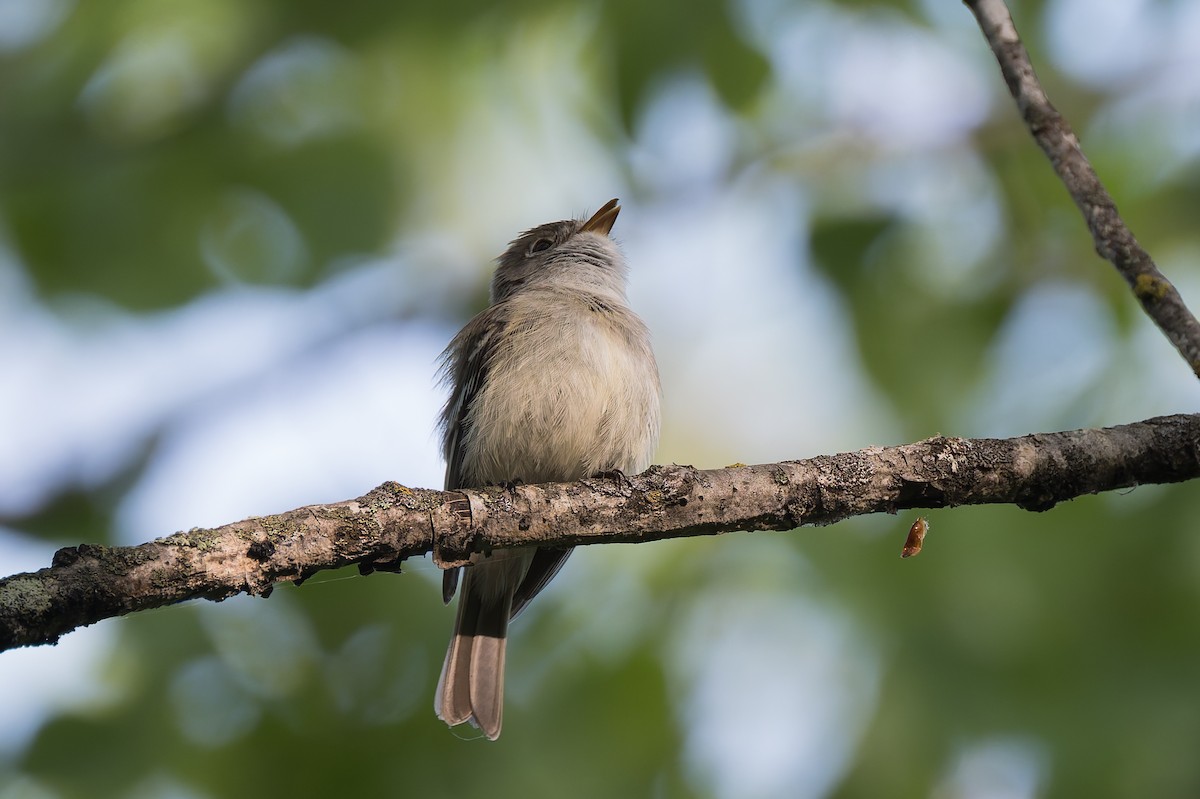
x=88 y=583
x=1112 y=238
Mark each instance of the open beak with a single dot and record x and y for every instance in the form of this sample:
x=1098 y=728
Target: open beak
x=602 y=221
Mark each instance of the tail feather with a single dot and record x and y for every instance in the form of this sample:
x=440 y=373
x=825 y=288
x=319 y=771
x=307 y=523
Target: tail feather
x=453 y=692
x=471 y=687
x=487 y=681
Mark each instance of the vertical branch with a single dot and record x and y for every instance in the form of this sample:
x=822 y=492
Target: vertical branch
x=1113 y=239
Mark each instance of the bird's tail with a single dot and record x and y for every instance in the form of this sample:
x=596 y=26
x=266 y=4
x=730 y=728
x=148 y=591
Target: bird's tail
x=471 y=687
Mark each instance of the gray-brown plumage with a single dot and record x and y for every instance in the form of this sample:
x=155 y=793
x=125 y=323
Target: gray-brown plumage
x=554 y=381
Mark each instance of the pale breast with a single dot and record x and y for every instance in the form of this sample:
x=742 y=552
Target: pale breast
x=574 y=392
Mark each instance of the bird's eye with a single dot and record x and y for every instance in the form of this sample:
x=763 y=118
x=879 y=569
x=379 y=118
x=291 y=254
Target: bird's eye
x=540 y=245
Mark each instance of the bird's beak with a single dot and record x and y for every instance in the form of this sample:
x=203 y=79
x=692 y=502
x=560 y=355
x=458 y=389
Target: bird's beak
x=602 y=221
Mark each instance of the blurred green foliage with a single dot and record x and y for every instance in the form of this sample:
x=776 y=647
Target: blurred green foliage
x=1071 y=630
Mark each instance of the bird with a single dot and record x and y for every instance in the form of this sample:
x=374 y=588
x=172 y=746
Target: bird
x=554 y=381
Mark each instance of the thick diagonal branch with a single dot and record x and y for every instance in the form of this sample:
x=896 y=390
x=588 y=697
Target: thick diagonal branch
x=1112 y=237
x=88 y=583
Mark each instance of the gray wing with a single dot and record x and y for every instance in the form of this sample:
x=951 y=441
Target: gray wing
x=546 y=563
x=464 y=366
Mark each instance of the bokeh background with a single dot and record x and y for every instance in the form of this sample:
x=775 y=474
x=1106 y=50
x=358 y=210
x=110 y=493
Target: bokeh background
x=235 y=235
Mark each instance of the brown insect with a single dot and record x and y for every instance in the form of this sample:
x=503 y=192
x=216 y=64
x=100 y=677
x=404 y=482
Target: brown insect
x=916 y=538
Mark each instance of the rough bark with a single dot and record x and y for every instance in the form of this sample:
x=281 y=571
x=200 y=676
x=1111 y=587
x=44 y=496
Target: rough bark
x=88 y=583
x=1113 y=239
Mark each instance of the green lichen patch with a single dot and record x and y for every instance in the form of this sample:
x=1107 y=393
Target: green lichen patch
x=26 y=594
x=196 y=538
x=1148 y=287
